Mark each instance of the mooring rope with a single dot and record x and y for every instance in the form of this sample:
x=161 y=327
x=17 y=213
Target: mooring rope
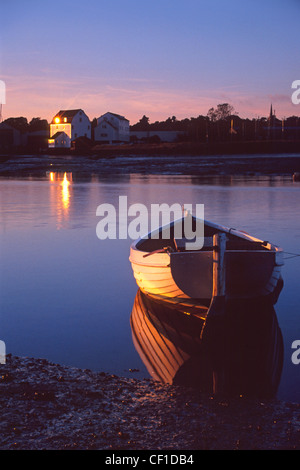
x=293 y=255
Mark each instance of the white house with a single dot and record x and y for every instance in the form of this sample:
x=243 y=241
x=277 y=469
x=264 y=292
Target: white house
x=68 y=125
x=112 y=128
x=59 y=139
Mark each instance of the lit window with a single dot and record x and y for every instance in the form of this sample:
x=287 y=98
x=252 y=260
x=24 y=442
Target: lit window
x=65 y=120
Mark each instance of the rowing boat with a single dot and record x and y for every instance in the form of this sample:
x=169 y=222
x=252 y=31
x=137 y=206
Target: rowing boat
x=165 y=268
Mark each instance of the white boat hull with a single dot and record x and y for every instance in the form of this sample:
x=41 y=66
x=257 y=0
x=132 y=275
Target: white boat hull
x=251 y=272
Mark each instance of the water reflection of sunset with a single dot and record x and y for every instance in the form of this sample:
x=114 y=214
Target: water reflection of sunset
x=61 y=195
x=65 y=192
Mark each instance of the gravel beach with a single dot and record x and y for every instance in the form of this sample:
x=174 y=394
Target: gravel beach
x=46 y=406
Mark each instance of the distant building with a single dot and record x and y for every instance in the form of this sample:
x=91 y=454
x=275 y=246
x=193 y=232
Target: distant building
x=68 y=125
x=10 y=138
x=59 y=140
x=111 y=128
x=37 y=140
x=162 y=136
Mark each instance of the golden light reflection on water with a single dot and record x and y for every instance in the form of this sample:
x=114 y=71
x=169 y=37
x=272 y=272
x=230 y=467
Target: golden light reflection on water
x=65 y=192
x=60 y=195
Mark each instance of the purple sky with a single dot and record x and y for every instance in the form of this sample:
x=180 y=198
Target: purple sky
x=159 y=58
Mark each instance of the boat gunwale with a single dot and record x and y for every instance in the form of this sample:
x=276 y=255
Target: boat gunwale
x=192 y=252
x=268 y=246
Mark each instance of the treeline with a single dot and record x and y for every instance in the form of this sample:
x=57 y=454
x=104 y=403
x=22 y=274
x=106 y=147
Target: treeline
x=224 y=124
x=220 y=124
x=22 y=125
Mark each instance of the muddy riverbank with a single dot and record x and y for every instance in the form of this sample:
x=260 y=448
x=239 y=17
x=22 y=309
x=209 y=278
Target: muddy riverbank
x=119 y=165
x=50 y=406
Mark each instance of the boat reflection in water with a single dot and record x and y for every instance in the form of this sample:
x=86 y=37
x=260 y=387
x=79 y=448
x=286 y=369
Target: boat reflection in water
x=247 y=359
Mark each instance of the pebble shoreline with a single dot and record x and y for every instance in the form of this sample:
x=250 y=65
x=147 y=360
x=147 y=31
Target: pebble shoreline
x=47 y=406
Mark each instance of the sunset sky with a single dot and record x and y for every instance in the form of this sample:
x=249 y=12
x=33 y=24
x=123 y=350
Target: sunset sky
x=159 y=58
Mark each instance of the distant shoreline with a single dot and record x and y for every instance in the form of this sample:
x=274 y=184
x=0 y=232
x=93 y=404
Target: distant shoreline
x=201 y=148
x=147 y=159
x=189 y=148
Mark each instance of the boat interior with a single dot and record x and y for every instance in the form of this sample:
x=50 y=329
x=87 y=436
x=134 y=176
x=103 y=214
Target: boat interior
x=166 y=240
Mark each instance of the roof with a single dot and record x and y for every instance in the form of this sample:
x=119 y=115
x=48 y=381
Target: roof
x=57 y=134
x=8 y=127
x=3 y=125
x=122 y=118
x=67 y=113
x=110 y=124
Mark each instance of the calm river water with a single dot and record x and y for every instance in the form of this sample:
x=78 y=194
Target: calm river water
x=67 y=296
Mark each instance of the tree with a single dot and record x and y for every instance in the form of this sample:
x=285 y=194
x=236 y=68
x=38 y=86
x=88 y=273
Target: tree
x=38 y=124
x=144 y=122
x=212 y=114
x=222 y=112
x=142 y=125
x=19 y=123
